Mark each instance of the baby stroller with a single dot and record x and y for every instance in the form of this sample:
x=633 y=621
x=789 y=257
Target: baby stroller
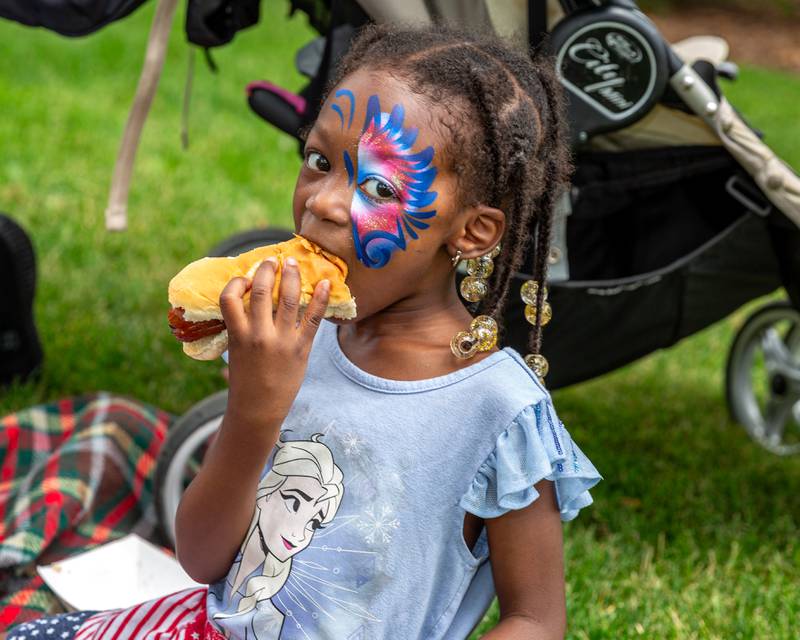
x=678 y=213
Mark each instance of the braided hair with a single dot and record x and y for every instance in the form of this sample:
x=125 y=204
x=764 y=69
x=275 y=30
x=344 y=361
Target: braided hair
x=505 y=133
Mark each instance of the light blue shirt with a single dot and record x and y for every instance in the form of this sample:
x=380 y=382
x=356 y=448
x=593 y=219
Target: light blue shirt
x=357 y=532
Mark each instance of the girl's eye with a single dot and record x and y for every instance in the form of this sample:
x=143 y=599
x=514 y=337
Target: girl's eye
x=378 y=189
x=315 y=524
x=317 y=162
x=295 y=502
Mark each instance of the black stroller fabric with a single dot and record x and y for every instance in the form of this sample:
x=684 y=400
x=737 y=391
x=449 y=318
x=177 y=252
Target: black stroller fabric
x=658 y=249
x=212 y=23
x=68 y=17
x=20 y=350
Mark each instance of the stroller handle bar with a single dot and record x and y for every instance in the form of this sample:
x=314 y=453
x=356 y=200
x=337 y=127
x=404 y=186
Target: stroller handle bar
x=779 y=183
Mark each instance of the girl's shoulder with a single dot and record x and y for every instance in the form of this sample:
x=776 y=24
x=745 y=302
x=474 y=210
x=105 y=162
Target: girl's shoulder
x=531 y=444
x=513 y=375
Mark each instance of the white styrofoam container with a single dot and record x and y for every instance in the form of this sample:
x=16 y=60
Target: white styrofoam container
x=115 y=575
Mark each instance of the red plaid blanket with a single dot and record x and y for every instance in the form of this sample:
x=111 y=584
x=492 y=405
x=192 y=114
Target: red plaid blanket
x=73 y=474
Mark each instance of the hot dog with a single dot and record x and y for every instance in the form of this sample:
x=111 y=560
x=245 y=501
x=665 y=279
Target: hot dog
x=195 y=317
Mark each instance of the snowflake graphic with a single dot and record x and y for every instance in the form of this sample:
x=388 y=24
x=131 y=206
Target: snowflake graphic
x=377 y=524
x=352 y=444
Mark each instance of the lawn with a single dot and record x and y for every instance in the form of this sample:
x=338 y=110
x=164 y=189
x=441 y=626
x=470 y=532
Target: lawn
x=694 y=532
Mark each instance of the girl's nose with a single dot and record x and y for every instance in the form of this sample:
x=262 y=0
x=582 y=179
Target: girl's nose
x=299 y=533
x=332 y=205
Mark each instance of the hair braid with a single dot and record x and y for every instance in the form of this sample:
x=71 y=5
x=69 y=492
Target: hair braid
x=557 y=169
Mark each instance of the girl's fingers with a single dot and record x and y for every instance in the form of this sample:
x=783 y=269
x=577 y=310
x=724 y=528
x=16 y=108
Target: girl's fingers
x=232 y=307
x=261 y=293
x=315 y=311
x=286 y=316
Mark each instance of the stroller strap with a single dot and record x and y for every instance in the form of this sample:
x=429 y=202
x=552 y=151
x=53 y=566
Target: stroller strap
x=774 y=177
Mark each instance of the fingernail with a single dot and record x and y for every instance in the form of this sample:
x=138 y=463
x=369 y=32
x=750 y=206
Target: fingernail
x=291 y=262
x=273 y=261
x=326 y=285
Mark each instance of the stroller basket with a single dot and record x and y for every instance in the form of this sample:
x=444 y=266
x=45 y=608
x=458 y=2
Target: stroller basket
x=652 y=230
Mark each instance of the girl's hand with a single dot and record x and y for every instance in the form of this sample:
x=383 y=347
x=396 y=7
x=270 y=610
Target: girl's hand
x=268 y=355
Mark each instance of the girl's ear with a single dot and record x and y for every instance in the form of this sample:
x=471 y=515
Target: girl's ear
x=482 y=227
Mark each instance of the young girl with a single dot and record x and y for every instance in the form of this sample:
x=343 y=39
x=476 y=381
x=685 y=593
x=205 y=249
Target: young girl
x=384 y=478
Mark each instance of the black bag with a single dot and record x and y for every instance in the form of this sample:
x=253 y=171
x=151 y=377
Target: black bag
x=212 y=23
x=20 y=350
x=68 y=17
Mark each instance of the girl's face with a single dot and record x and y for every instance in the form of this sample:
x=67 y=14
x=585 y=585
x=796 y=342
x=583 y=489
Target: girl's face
x=373 y=190
x=290 y=516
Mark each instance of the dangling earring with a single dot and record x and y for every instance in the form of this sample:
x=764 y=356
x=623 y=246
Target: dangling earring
x=456 y=258
x=474 y=287
x=536 y=361
x=482 y=334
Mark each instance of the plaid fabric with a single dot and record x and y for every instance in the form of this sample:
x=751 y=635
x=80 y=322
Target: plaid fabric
x=73 y=474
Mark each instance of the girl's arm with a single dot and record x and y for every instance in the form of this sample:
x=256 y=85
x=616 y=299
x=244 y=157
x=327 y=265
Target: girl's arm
x=526 y=549
x=268 y=358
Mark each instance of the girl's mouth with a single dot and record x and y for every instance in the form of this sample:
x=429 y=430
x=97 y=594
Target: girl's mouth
x=288 y=544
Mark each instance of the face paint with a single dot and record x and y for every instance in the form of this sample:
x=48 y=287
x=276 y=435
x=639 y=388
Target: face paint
x=352 y=104
x=348 y=164
x=392 y=196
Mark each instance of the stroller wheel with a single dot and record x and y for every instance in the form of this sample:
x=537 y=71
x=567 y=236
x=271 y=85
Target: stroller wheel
x=763 y=378
x=181 y=455
x=247 y=240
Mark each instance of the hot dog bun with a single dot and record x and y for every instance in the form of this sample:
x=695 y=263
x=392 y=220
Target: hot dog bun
x=197 y=287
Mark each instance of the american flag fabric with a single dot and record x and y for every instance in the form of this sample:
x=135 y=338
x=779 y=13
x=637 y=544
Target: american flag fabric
x=178 y=616
x=74 y=474
x=57 y=627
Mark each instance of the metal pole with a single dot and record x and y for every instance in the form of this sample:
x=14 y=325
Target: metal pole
x=117 y=210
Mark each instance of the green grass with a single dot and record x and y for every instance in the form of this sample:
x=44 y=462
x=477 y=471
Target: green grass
x=101 y=302
x=694 y=532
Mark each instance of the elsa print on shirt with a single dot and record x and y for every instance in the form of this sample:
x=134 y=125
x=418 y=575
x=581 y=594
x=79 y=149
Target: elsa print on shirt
x=299 y=495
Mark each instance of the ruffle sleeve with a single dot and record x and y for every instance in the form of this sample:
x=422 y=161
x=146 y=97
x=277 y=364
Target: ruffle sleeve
x=535 y=446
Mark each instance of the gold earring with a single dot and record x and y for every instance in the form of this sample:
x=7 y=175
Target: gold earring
x=456 y=258
x=474 y=286
x=536 y=361
x=482 y=334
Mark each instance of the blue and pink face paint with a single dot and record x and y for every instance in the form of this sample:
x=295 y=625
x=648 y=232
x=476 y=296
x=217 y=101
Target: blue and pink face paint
x=392 y=198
